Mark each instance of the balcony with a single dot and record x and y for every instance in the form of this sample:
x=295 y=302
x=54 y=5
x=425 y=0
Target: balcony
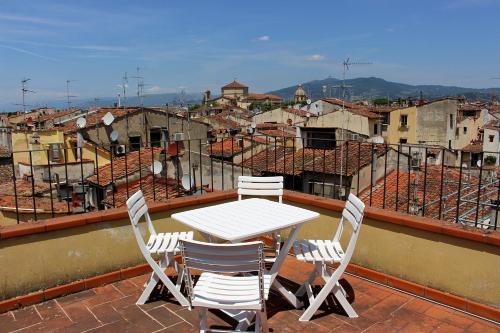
x=427 y=256
x=404 y=275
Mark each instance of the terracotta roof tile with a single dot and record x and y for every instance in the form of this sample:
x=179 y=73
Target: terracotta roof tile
x=128 y=164
x=234 y=84
x=154 y=189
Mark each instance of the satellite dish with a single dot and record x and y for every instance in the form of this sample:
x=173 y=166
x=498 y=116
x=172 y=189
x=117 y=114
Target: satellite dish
x=114 y=136
x=81 y=122
x=156 y=167
x=289 y=106
x=478 y=163
x=185 y=182
x=108 y=119
x=308 y=101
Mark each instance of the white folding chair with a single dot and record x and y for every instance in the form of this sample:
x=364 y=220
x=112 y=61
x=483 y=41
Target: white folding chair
x=232 y=278
x=321 y=252
x=165 y=245
x=263 y=186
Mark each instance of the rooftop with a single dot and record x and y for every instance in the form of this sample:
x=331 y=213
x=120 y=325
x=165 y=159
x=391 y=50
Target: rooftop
x=233 y=85
x=112 y=308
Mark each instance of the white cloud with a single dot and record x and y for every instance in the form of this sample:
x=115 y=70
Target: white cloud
x=37 y=55
x=34 y=20
x=316 y=57
x=155 y=89
x=264 y=38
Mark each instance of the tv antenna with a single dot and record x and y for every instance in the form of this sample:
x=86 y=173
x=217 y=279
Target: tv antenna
x=68 y=96
x=140 y=86
x=346 y=64
x=25 y=90
x=124 y=87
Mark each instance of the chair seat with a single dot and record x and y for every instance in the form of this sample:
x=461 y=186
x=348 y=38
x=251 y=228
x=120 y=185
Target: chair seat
x=166 y=242
x=229 y=292
x=318 y=251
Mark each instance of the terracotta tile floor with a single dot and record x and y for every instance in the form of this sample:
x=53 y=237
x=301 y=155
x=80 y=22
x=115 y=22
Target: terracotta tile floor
x=111 y=308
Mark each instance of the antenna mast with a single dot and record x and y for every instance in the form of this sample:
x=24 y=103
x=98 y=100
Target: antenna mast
x=125 y=86
x=25 y=90
x=68 y=96
x=140 y=86
x=346 y=64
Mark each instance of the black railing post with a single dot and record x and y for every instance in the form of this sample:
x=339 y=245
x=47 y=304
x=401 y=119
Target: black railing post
x=293 y=164
x=371 y=172
x=397 y=177
x=425 y=182
x=66 y=175
x=359 y=165
x=15 y=185
x=111 y=173
x=211 y=166
x=50 y=184
x=232 y=162
x=140 y=165
x=267 y=153
x=409 y=180
x=83 y=180
x=324 y=172
x=178 y=166
x=441 y=185
x=153 y=171
x=459 y=189
x=479 y=188
x=346 y=194
x=385 y=175
x=201 y=167
x=33 y=186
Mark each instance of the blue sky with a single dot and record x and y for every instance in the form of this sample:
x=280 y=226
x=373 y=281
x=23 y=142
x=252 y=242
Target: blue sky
x=198 y=45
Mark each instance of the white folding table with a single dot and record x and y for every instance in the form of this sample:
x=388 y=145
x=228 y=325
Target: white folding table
x=241 y=220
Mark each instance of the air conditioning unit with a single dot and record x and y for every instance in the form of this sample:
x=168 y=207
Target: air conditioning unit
x=178 y=136
x=355 y=137
x=120 y=150
x=250 y=130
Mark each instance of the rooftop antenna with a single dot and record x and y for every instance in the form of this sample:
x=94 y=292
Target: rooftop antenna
x=125 y=86
x=68 y=96
x=25 y=90
x=346 y=64
x=140 y=86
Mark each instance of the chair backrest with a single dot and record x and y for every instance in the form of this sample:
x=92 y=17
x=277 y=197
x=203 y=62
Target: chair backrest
x=138 y=208
x=223 y=258
x=353 y=212
x=260 y=186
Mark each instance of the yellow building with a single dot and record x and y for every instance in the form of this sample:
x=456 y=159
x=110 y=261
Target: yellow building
x=34 y=151
x=431 y=123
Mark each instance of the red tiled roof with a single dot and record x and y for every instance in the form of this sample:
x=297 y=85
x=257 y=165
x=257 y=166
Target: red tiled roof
x=277 y=133
x=221 y=121
x=474 y=147
x=4 y=151
x=130 y=163
x=414 y=181
x=153 y=188
x=297 y=112
x=25 y=204
x=226 y=147
x=258 y=97
x=96 y=117
x=233 y=85
x=493 y=125
x=357 y=109
x=341 y=160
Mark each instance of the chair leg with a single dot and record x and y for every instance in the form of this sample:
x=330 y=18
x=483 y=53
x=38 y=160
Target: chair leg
x=153 y=281
x=302 y=290
x=263 y=321
x=340 y=296
x=202 y=314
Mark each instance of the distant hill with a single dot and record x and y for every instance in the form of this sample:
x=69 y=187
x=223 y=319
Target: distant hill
x=372 y=87
x=149 y=100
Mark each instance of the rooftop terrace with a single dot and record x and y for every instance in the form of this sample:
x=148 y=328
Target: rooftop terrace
x=111 y=308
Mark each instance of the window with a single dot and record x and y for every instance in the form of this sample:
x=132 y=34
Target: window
x=155 y=137
x=451 y=121
x=402 y=140
x=403 y=120
x=492 y=138
x=54 y=152
x=375 y=129
x=465 y=130
x=320 y=139
x=134 y=142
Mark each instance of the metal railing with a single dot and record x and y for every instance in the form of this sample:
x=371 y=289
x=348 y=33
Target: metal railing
x=415 y=179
